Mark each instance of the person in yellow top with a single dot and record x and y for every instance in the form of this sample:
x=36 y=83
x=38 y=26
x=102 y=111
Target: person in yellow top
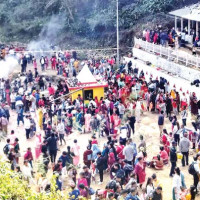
x=156 y=182
x=40 y=117
x=76 y=65
x=55 y=120
x=191 y=195
x=173 y=94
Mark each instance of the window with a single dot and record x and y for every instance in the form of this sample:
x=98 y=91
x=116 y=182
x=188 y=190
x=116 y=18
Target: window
x=88 y=94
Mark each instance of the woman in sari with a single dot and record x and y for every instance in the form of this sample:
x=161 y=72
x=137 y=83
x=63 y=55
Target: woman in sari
x=140 y=171
x=115 y=122
x=38 y=145
x=40 y=117
x=76 y=151
x=87 y=122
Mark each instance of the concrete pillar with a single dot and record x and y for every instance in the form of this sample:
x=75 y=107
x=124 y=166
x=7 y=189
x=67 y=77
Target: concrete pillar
x=175 y=23
x=181 y=24
x=188 y=27
x=197 y=28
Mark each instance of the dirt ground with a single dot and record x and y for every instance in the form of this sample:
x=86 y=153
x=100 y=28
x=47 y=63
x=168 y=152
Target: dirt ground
x=147 y=127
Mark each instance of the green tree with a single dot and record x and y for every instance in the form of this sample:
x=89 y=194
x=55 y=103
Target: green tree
x=13 y=187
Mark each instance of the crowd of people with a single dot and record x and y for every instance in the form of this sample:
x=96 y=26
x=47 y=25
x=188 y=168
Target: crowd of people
x=170 y=37
x=49 y=116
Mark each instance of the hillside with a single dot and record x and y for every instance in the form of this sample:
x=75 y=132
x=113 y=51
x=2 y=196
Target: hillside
x=80 y=23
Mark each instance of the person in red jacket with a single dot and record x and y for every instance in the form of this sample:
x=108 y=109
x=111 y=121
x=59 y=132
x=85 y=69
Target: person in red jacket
x=53 y=62
x=119 y=151
x=87 y=156
x=41 y=102
x=51 y=90
x=164 y=155
x=29 y=156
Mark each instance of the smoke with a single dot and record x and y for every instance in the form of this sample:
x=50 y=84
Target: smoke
x=49 y=35
x=7 y=66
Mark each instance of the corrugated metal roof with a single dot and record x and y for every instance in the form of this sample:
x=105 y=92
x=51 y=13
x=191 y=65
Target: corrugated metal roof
x=190 y=12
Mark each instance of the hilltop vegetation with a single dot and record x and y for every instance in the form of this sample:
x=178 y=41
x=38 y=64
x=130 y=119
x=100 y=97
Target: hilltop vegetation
x=84 y=20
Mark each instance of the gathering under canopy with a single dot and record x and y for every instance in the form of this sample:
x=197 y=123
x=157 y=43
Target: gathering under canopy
x=190 y=13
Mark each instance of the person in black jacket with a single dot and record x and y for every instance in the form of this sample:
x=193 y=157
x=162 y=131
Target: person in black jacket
x=23 y=64
x=30 y=76
x=168 y=104
x=52 y=146
x=44 y=146
x=173 y=158
x=100 y=166
x=129 y=67
x=131 y=121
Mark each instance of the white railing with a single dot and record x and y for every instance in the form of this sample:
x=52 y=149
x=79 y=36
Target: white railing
x=171 y=54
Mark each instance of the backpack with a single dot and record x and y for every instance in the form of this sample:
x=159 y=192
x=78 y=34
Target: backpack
x=191 y=169
x=6 y=149
x=120 y=174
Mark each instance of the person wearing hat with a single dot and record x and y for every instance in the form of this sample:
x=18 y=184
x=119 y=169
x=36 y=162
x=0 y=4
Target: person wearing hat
x=173 y=158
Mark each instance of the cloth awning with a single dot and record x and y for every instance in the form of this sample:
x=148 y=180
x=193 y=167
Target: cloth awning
x=189 y=12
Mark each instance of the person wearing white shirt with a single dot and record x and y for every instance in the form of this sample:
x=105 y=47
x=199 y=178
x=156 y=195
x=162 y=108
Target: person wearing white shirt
x=107 y=102
x=27 y=126
x=138 y=110
x=12 y=100
x=183 y=36
x=121 y=108
x=123 y=134
x=61 y=131
x=176 y=183
x=184 y=115
x=128 y=152
x=197 y=169
x=21 y=91
x=150 y=187
x=27 y=171
x=92 y=102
